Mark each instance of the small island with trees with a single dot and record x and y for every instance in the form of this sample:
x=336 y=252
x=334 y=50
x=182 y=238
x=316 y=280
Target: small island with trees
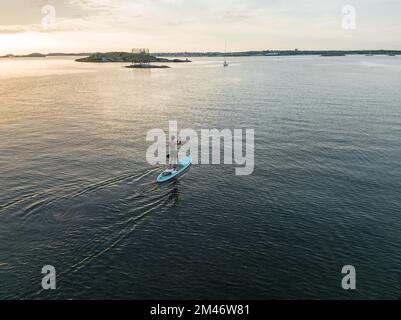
x=139 y=58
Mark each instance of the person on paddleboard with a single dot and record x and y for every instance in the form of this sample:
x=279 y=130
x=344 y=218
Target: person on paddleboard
x=173 y=153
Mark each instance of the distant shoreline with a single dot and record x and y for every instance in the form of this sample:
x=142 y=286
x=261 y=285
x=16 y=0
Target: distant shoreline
x=40 y=55
x=281 y=53
x=230 y=54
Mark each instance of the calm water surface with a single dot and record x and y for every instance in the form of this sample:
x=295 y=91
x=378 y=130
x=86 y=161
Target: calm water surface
x=77 y=193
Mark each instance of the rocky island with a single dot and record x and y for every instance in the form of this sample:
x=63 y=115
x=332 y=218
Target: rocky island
x=146 y=66
x=127 y=57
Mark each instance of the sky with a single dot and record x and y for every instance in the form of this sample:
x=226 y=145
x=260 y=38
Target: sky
x=197 y=25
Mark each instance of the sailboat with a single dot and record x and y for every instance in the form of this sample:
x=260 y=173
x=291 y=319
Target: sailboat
x=225 y=63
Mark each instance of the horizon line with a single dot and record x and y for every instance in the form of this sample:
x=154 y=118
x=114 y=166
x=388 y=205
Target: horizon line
x=205 y=52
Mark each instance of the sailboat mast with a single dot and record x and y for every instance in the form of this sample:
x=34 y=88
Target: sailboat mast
x=225 y=64
x=225 y=50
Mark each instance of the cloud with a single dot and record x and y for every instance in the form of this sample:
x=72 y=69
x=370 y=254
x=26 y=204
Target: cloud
x=95 y=6
x=10 y=29
x=172 y=25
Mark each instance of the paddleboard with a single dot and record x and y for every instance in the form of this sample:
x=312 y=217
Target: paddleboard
x=169 y=175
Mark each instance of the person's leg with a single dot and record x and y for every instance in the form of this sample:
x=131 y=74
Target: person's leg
x=174 y=160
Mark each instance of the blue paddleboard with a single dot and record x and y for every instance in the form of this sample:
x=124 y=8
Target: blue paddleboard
x=168 y=175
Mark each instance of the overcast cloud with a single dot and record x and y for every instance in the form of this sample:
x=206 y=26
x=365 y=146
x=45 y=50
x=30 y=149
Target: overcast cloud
x=201 y=25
